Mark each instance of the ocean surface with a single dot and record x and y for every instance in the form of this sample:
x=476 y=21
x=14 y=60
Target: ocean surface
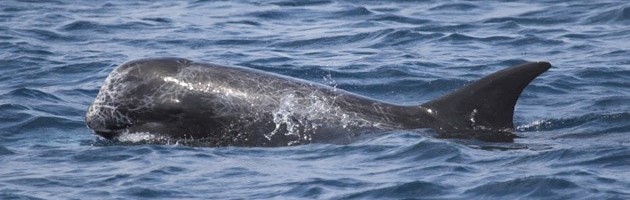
x=574 y=120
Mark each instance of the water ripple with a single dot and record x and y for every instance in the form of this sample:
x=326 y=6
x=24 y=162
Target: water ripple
x=402 y=190
x=401 y=19
x=539 y=187
x=5 y=151
x=619 y=14
x=455 y=7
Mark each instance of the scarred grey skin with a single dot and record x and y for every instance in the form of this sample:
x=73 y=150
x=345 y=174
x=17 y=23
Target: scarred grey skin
x=212 y=105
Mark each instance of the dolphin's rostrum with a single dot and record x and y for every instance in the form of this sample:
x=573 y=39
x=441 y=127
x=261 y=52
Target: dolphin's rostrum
x=175 y=99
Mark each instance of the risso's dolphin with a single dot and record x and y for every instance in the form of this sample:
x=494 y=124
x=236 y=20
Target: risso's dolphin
x=175 y=99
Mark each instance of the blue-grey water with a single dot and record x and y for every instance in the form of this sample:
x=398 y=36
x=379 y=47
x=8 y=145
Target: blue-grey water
x=574 y=119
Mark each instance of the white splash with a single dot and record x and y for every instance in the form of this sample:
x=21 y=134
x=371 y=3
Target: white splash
x=138 y=137
x=472 y=116
x=301 y=115
x=535 y=124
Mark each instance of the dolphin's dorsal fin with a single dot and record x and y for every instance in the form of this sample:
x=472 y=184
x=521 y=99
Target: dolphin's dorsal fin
x=487 y=104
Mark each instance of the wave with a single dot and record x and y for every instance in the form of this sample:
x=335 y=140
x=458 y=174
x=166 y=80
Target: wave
x=400 y=19
x=455 y=7
x=328 y=41
x=5 y=151
x=358 y=11
x=98 y=27
x=619 y=14
x=537 y=187
x=30 y=94
x=529 y=20
x=47 y=35
x=422 y=189
x=300 y=3
x=614 y=119
x=43 y=123
x=425 y=150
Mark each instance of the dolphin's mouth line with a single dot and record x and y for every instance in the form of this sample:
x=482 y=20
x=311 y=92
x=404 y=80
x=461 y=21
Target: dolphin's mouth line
x=107 y=134
x=110 y=133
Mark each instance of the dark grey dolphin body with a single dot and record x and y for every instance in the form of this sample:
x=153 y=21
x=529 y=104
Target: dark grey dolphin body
x=212 y=105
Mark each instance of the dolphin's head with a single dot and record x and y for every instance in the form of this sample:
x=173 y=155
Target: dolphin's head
x=135 y=97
